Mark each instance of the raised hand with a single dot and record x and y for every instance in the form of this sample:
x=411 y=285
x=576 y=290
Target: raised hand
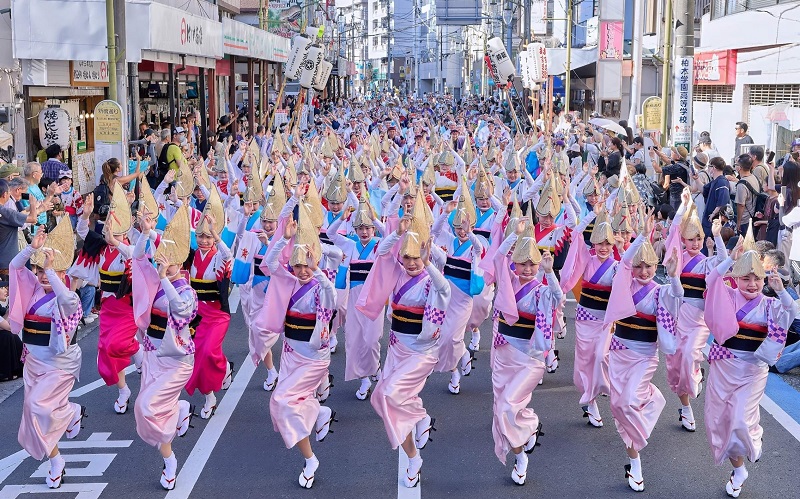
x=672 y=263
x=547 y=262
x=38 y=240
x=290 y=230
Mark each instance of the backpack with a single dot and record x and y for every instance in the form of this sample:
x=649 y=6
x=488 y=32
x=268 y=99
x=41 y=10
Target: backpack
x=102 y=200
x=660 y=195
x=760 y=197
x=160 y=169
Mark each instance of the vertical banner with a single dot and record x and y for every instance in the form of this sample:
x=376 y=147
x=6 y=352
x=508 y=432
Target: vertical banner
x=610 y=39
x=109 y=135
x=682 y=102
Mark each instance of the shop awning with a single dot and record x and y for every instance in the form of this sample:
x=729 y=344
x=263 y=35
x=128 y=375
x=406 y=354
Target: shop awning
x=557 y=59
x=68 y=30
x=247 y=41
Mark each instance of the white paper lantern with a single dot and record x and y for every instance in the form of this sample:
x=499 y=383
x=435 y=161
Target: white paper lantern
x=537 y=62
x=300 y=45
x=503 y=66
x=310 y=65
x=54 y=127
x=321 y=77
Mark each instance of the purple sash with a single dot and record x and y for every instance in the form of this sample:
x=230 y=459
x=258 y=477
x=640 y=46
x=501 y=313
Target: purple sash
x=691 y=264
x=639 y=296
x=748 y=307
x=524 y=290
x=602 y=270
x=178 y=285
x=46 y=298
x=304 y=289
x=408 y=285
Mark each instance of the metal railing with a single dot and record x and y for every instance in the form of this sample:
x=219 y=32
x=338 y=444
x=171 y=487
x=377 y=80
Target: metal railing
x=720 y=8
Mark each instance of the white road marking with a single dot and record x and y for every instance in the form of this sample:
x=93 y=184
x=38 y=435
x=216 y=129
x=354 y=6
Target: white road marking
x=83 y=490
x=194 y=464
x=792 y=426
x=10 y=463
x=94 y=385
x=404 y=492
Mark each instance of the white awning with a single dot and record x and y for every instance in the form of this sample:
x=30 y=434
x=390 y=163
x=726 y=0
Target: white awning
x=557 y=59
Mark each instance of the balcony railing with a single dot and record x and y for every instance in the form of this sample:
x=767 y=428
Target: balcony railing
x=720 y=8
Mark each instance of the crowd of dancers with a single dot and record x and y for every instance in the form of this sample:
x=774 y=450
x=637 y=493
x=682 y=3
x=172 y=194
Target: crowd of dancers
x=435 y=233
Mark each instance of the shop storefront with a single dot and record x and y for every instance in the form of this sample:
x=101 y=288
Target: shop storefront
x=256 y=57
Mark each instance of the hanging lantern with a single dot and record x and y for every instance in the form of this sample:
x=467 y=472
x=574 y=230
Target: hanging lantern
x=54 y=127
x=310 y=65
x=537 y=62
x=320 y=80
x=500 y=60
x=300 y=45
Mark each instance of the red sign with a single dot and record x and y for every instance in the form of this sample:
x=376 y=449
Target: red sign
x=715 y=68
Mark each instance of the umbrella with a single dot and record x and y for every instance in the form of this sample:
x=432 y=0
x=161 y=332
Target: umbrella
x=599 y=121
x=613 y=127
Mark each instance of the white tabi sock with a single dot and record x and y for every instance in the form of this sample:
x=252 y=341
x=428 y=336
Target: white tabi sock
x=312 y=463
x=211 y=400
x=124 y=394
x=522 y=461
x=365 y=385
x=455 y=377
x=56 y=465
x=740 y=474
x=636 y=468
x=137 y=357
x=414 y=465
x=686 y=412
x=550 y=358
x=594 y=410
x=171 y=465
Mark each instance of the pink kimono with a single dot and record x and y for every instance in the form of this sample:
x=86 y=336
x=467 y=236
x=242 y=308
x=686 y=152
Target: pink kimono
x=306 y=350
x=417 y=313
x=592 y=334
x=748 y=336
x=523 y=331
x=645 y=321
x=461 y=261
x=683 y=367
x=210 y=275
x=162 y=309
x=362 y=335
x=52 y=357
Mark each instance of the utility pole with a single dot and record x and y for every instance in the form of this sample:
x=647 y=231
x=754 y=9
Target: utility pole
x=636 y=77
x=112 y=51
x=416 y=50
x=568 y=79
x=665 y=83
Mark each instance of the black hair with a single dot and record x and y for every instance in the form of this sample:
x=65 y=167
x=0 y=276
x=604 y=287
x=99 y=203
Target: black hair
x=666 y=211
x=742 y=125
x=3 y=187
x=757 y=152
x=791 y=177
x=745 y=162
x=640 y=168
x=53 y=150
x=778 y=256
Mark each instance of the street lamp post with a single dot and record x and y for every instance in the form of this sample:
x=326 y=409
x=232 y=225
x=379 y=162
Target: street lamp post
x=507 y=17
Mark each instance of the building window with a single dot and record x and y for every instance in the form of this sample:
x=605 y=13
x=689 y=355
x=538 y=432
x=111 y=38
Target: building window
x=713 y=93
x=767 y=95
x=374 y=41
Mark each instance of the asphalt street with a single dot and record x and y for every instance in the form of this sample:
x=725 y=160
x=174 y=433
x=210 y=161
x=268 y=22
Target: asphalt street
x=238 y=454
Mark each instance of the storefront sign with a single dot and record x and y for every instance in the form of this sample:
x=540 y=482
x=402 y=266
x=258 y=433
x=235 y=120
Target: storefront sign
x=88 y=73
x=248 y=41
x=715 y=68
x=284 y=17
x=651 y=114
x=682 y=107
x=54 y=127
x=173 y=30
x=108 y=134
x=611 y=39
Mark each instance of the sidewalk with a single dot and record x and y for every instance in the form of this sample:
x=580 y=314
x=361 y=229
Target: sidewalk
x=8 y=388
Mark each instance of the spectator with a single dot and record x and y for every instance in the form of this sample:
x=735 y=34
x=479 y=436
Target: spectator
x=70 y=198
x=760 y=170
x=33 y=174
x=791 y=212
x=10 y=222
x=642 y=183
x=638 y=152
x=16 y=187
x=741 y=139
x=613 y=158
x=168 y=158
x=676 y=173
x=8 y=171
x=103 y=192
x=10 y=344
x=54 y=163
x=747 y=188
x=706 y=146
x=717 y=194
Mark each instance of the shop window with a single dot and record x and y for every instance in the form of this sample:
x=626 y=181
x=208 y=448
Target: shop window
x=713 y=93
x=767 y=95
x=610 y=108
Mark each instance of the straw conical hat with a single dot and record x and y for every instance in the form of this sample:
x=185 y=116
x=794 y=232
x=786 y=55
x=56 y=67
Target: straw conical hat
x=306 y=240
x=175 y=241
x=512 y=162
x=119 y=213
x=337 y=190
x=467 y=155
x=690 y=225
x=254 y=151
x=290 y=174
x=749 y=243
x=592 y=188
x=749 y=263
x=148 y=205
x=465 y=210
x=602 y=232
x=278 y=144
x=62 y=241
x=645 y=254
x=184 y=181
x=254 y=191
x=419 y=232
x=622 y=220
x=446 y=158
x=362 y=216
x=429 y=176
x=326 y=150
x=275 y=200
x=312 y=204
x=215 y=209
x=549 y=200
x=484 y=186
x=526 y=248
x=355 y=174
x=514 y=216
